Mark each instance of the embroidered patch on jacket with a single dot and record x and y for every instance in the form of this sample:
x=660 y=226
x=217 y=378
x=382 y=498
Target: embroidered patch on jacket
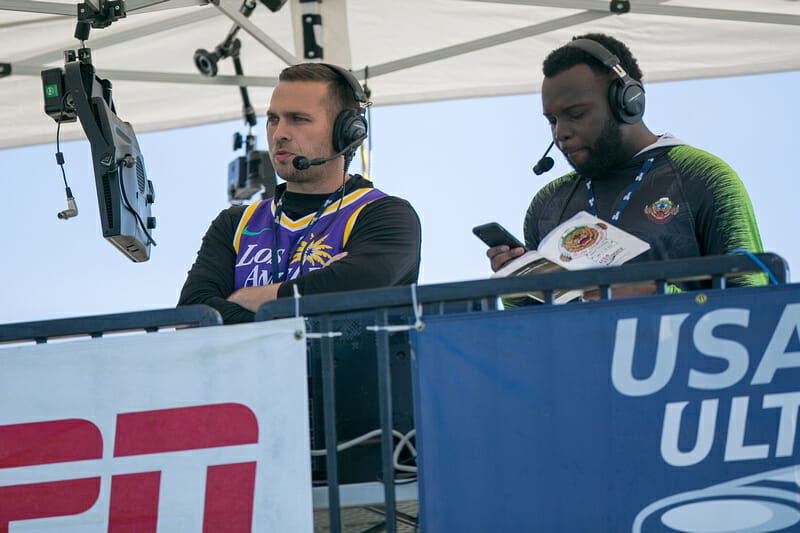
x=580 y=240
x=662 y=210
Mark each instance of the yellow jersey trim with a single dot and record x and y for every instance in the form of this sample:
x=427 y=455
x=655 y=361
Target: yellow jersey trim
x=294 y=225
x=351 y=222
x=242 y=223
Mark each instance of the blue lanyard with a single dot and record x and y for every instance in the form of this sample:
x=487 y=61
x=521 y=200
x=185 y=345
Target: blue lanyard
x=625 y=199
x=276 y=275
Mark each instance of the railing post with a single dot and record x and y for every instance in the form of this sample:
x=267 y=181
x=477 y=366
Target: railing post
x=329 y=414
x=385 y=405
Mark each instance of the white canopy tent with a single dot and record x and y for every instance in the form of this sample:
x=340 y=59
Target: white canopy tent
x=409 y=51
x=459 y=162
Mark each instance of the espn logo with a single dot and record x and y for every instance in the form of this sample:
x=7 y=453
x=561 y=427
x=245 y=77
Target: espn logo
x=134 y=496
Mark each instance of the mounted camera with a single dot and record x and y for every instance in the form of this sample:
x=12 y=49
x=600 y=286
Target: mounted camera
x=124 y=193
x=250 y=173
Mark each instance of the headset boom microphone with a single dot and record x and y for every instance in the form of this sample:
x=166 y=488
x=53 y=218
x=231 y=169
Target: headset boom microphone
x=545 y=163
x=302 y=163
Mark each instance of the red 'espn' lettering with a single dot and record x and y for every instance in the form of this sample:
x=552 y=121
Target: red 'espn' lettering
x=134 y=503
x=134 y=497
x=43 y=500
x=186 y=428
x=55 y=441
x=229 y=498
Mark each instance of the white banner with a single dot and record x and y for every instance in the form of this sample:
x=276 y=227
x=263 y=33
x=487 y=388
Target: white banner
x=197 y=430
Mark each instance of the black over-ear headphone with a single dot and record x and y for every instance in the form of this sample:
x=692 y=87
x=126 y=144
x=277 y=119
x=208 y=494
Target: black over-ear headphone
x=350 y=125
x=625 y=95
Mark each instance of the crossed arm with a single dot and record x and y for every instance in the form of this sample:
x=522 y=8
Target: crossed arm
x=383 y=250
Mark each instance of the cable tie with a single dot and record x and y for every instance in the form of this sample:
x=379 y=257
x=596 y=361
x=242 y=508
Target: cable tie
x=325 y=335
x=296 y=296
x=418 y=324
x=392 y=329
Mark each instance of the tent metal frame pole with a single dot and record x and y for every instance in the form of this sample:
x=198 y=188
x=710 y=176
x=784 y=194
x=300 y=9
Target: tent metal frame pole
x=231 y=10
x=195 y=79
x=593 y=11
x=226 y=7
x=719 y=14
x=481 y=44
x=136 y=5
x=126 y=35
x=37 y=6
x=35 y=69
x=642 y=7
x=71 y=10
x=375 y=70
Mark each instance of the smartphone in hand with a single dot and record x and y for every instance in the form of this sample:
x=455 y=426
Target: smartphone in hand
x=493 y=234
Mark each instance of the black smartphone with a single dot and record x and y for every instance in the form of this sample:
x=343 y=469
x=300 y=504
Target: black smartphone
x=494 y=234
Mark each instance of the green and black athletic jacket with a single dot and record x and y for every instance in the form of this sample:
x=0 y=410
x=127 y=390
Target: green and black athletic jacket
x=690 y=203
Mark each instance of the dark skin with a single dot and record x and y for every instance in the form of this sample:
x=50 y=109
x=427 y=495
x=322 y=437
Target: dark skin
x=575 y=103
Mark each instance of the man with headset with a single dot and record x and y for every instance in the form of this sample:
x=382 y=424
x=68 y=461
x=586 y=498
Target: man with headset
x=324 y=230
x=681 y=200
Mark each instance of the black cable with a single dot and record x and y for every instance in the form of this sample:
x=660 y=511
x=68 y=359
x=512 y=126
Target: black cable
x=131 y=209
x=368 y=94
x=72 y=207
x=369 y=137
x=59 y=155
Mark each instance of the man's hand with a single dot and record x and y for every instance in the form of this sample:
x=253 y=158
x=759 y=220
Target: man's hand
x=500 y=255
x=251 y=298
x=335 y=258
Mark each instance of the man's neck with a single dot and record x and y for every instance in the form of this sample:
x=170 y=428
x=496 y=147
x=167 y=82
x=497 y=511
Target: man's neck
x=318 y=187
x=640 y=138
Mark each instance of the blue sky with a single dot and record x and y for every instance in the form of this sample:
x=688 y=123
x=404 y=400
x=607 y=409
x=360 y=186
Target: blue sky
x=460 y=163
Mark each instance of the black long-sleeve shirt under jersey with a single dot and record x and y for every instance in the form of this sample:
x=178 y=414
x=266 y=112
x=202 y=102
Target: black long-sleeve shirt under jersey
x=383 y=250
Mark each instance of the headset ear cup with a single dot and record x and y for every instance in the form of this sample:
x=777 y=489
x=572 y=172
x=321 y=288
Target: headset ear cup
x=350 y=125
x=626 y=98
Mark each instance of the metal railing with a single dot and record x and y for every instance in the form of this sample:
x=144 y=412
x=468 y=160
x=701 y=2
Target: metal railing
x=416 y=302
x=472 y=296
x=98 y=325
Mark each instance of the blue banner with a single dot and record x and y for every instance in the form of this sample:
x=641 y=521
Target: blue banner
x=667 y=414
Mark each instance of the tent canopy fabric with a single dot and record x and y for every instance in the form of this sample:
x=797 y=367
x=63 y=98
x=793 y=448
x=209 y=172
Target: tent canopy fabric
x=409 y=51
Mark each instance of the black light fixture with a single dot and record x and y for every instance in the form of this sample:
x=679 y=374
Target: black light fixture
x=273 y=5
x=206 y=62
